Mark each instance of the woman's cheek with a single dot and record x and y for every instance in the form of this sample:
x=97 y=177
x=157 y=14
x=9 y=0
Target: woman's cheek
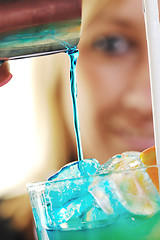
x=102 y=83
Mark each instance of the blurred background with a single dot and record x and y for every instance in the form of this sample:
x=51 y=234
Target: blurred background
x=18 y=145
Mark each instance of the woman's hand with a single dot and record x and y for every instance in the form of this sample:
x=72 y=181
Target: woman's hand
x=5 y=75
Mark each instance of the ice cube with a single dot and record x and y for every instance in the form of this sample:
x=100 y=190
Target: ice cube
x=124 y=161
x=106 y=198
x=136 y=192
x=77 y=169
x=133 y=189
x=62 y=191
x=66 y=201
x=67 y=206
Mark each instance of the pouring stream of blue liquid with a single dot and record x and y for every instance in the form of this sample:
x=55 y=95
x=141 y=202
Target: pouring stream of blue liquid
x=73 y=55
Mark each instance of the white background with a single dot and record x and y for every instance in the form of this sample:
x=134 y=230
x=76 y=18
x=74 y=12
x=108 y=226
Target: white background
x=18 y=157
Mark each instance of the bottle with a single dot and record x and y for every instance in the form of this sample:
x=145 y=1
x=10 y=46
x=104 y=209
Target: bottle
x=38 y=27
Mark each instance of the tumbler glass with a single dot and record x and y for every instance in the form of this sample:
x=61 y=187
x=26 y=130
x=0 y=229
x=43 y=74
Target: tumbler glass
x=120 y=205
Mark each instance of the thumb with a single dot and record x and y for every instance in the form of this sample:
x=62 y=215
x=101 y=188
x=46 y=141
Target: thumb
x=5 y=75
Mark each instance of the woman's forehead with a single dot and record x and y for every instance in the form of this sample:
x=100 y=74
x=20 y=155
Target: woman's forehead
x=91 y=8
x=104 y=9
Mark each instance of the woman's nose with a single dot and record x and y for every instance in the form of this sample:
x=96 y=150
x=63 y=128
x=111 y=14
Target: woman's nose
x=138 y=95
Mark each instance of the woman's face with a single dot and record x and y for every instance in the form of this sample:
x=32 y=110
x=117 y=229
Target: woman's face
x=114 y=99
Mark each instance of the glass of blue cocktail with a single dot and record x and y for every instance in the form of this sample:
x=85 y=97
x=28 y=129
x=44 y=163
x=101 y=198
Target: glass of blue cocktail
x=118 y=200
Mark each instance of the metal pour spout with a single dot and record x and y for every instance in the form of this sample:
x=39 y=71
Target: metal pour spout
x=38 y=27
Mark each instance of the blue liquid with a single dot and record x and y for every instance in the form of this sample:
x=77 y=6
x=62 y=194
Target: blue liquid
x=73 y=54
x=1 y=62
x=123 y=229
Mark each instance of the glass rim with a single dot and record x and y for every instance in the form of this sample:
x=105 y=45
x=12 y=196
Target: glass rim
x=34 y=185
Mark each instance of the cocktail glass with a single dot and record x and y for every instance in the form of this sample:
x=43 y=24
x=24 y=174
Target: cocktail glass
x=120 y=205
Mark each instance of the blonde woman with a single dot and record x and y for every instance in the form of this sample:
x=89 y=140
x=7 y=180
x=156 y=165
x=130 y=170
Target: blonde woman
x=114 y=101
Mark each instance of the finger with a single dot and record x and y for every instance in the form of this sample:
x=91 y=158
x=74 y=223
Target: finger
x=5 y=75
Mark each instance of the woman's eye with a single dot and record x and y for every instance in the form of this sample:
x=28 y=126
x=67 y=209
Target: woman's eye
x=113 y=45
